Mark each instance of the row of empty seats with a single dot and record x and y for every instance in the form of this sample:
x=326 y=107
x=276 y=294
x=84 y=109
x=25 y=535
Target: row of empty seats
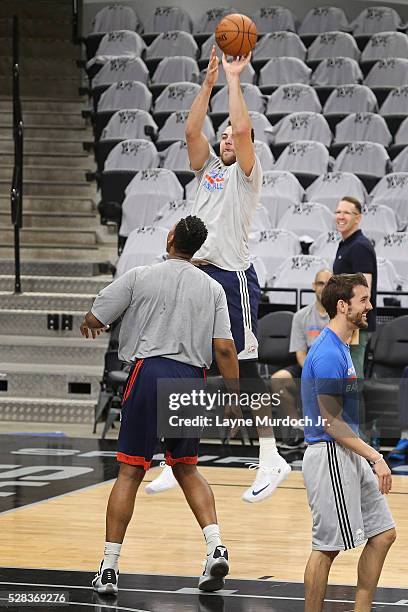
x=304 y=125
x=125 y=43
x=329 y=72
x=267 y=19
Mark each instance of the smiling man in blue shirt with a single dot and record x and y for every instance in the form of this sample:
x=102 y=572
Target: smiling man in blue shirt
x=345 y=494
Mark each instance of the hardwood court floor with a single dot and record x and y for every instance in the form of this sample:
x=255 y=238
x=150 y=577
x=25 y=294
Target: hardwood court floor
x=267 y=539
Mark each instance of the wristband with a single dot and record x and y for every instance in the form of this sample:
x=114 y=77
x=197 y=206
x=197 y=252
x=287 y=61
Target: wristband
x=372 y=463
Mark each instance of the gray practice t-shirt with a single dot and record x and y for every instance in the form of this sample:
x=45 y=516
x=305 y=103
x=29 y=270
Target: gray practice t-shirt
x=171 y=309
x=226 y=201
x=306 y=326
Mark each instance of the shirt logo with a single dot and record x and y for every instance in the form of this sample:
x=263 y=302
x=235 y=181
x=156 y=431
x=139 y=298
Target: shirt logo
x=214 y=180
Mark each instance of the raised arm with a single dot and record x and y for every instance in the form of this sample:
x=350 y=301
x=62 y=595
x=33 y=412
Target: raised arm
x=238 y=113
x=197 y=143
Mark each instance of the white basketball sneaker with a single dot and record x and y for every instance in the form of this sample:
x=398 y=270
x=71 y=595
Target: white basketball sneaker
x=267 y=479
x=216 y=568
x=106 y=581
x=163 y=482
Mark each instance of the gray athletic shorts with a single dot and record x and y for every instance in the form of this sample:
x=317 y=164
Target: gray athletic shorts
x=347 y=506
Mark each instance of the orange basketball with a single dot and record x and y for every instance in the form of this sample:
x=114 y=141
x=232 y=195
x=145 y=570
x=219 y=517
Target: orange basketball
x=236 y=34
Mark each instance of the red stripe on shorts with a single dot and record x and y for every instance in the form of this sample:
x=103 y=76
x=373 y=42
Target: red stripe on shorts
x=187 y=460
x=131 y=381
x=130 y=460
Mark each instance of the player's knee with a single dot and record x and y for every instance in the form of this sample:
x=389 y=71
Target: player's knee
x=385 y=539
x=330 y=554
x=282 y=374
x=131 y=472
x=181 y=470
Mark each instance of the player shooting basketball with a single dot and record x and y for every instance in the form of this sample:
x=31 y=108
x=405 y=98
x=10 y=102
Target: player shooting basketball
x=227 y=196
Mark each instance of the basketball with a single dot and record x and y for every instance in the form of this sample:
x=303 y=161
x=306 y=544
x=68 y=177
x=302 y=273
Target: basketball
x=236 y=35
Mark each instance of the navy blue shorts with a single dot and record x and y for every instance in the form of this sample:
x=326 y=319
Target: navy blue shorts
x=243 y=294
x=138 y=429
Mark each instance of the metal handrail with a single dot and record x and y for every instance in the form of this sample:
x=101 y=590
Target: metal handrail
x=16 y=193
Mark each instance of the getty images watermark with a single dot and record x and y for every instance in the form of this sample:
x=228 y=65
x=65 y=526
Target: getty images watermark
x=201 y=402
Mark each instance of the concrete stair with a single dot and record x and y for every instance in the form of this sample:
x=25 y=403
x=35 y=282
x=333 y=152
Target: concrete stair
x=41 y=219
x=52 y=204
x=57 y=284
x=45 y=410
x=48 y=372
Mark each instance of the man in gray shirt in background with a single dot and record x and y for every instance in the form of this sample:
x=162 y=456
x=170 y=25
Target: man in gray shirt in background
x=307 y=324
x=174 y=316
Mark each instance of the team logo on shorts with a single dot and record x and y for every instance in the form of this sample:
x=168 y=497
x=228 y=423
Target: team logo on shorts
x=214 y=180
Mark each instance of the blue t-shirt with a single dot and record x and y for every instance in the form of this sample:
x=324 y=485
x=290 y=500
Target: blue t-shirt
x=328 y=370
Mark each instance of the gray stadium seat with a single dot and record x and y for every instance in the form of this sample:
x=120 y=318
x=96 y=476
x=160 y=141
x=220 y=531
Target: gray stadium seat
x=302 y=126
x=307 y=220
x=394 y=247
x=329 y=188
x=306 y=157
x=392 y=191
x=333 y=44
x=274 y=19
x=121 y=69
x=129 y=124
x=299 y=272
x=208 y=21
x=254 y=99
x=146 y=193
x=171 y=212
x=174 y=127
x=400 y=163
x=388 y=73
x=368 y=158
x=132 y=154
x=401 y=137
x=169 y=44
x=116 y=17
x=284 y=70
x=377 y=221
x=335 y=71
x=176 y=69
x=280 y=189
x=325 y=245
x=385 y=45
x=363 y=126
x=324 y=19
x=144 y=246
x=273 y=246
x=167 y=18
x=350 y=99
x=175 y=157
x=375 y=19
x=293 y=98
x=120 y=43
x=176 y=97
x=279 y=44
x=264 y=154
x=261 y=125
x=396 y=102
x=124 y=95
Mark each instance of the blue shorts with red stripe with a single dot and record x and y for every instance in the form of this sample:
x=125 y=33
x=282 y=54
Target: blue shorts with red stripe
x=243 y=294
x=138 y=430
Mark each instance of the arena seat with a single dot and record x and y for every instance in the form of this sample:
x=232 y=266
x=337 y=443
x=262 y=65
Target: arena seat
x=168 y=18
x=172 y=43
x=176 y=69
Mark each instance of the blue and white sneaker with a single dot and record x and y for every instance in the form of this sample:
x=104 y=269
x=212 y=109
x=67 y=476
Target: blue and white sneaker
x=106 y=582
x=400 y=451
x=216 y=568
x=267 y=480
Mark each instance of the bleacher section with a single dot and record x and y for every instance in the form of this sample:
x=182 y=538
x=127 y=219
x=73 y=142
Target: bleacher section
x=328 y=101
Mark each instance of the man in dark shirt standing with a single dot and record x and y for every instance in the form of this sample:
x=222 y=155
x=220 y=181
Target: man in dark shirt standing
x=356 y=254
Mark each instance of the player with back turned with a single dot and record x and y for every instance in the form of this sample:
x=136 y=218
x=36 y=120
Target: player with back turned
x=227 y=197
